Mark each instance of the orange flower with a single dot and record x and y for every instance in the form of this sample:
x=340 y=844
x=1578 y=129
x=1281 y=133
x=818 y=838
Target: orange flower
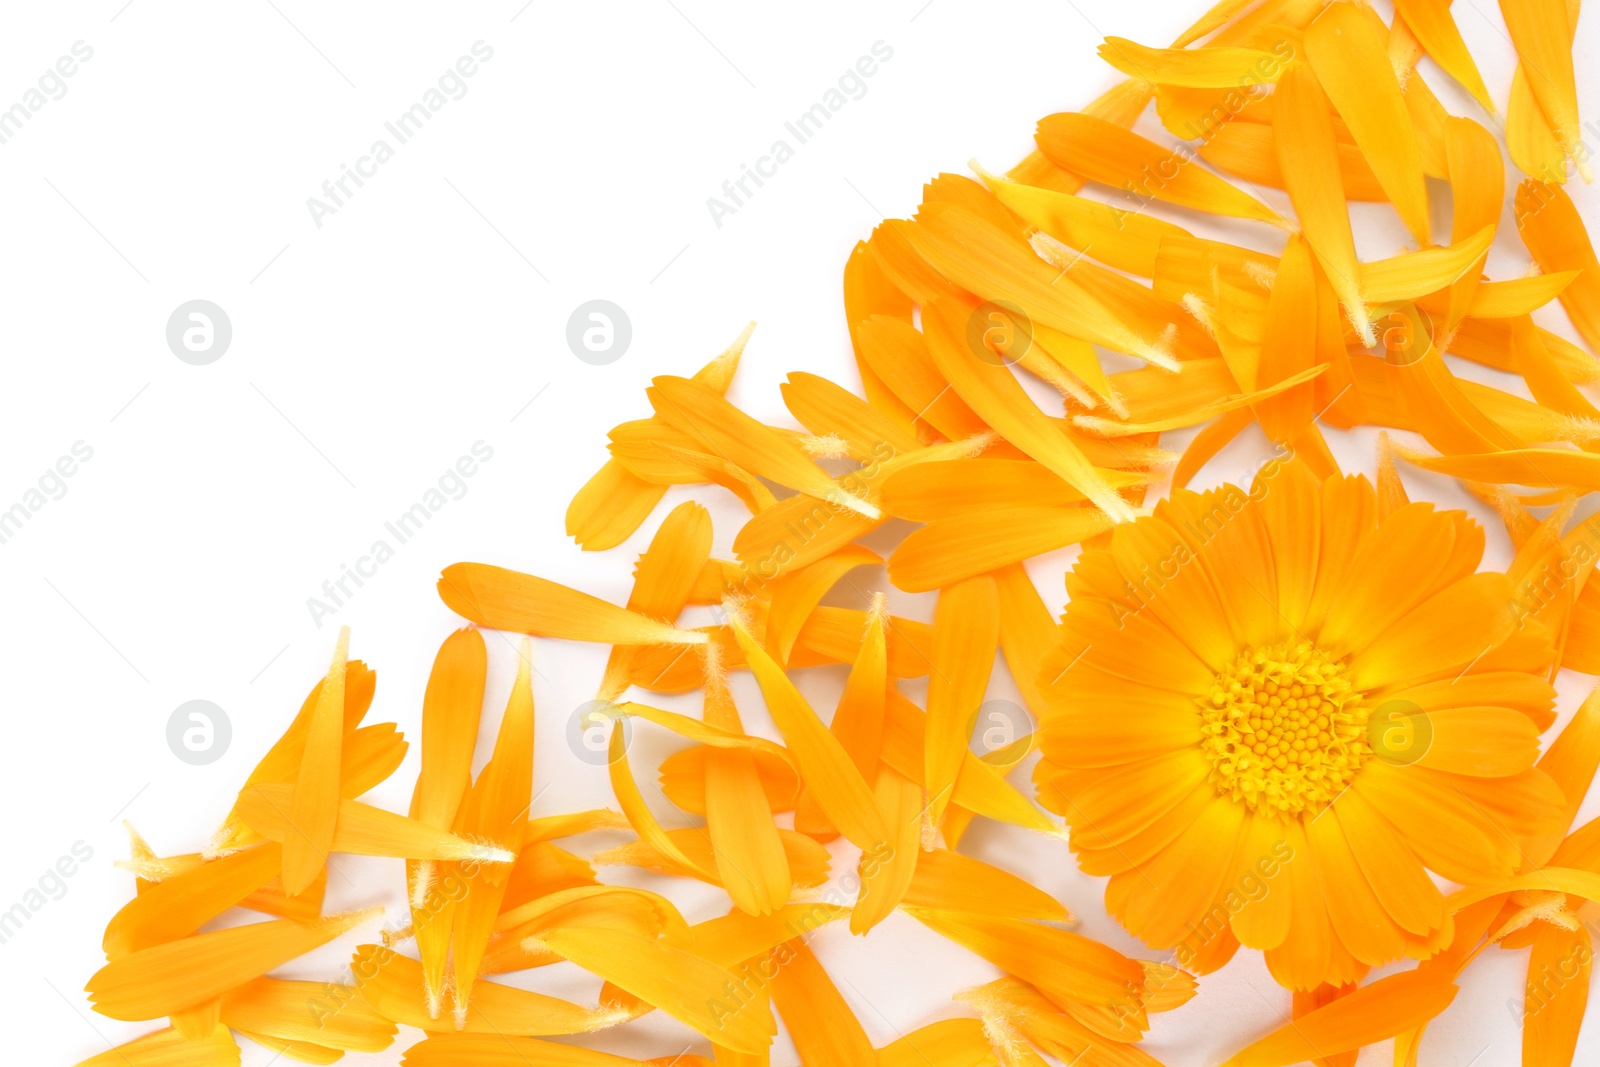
x=1275 y=711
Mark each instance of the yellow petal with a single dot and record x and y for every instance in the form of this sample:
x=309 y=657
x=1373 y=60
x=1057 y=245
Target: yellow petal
x=953 y=882
x=1060 y=963
x=966 y=635
x=795 y=596
x=1346 y=48
x=180 y=905
x=1412 y=274
x=1249 y=150
x=451 y=706
x=1111 y=155
x=614 y=502
x=828 y=409
x=392 y=984
x=1117 y=237
x=824 y=763
x=664 y=581
x=998 y=266
x=522 y=603
x=1555 y=235
x=1554 y=1003
x=888 y=873
x=749 y=851
x=947 y=551
x=168 y=1048
x=183 y=974
x=727 y=432
x=1308 y=156
x=1214 y=67
x=320 y=1013
x=1434 y=27
x=997 y=395
x=823 y=1027
x=690 y=989
x=363 y=830
x=1371 y=1014
x=315 y=806
x=1542 y=35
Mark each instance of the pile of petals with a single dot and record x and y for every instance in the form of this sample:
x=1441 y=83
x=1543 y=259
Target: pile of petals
x=1291 y=716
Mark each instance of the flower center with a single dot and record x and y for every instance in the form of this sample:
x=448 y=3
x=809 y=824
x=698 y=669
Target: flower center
x=1283 y=729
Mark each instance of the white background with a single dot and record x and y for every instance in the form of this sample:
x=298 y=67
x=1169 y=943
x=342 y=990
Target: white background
x=424 y=316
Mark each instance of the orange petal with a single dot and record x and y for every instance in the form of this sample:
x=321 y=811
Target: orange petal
x=183 y=974
x=522 y=603
x=315 y=808
x=1346 y=47
x=1117 y=157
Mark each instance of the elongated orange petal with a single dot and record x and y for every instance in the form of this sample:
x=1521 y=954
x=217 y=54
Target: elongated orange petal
x=451 y=707
x=495 y=1050
x=1308 y=155
x=825 y=408
x=180 y=905
x=320 y=1013
x=728 y=432
x=690 y=989
x=1555 y=235
x=495 y=810
x=1542 y=34
x=1436 y=29
x=824 y=763
x=315 y=808
x=1412 y=274
x=1371 y=1014
x=1122 y=104
x=999 y=266
x=822 y=1025
x=392 y=984
x=1058 y=962
x=614 y=502
x=946 y=490
x=363 y=830
x=1346 y=48
x=1289 y=343
x=169 y=1048
x=1214 y=67
x=993 y=391
x=887 y=874
x=522 y=603
x=1112 y=155
x=796 y=595
x=966 y=635
x=610 y=507
x=282 y=761
x=1116 y=237
x=185 y=973
x=954 y=882
x=947 y=551
x=663 y=582
x=749 y=851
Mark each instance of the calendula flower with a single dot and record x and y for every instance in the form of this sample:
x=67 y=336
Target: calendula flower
x=1275 y=711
